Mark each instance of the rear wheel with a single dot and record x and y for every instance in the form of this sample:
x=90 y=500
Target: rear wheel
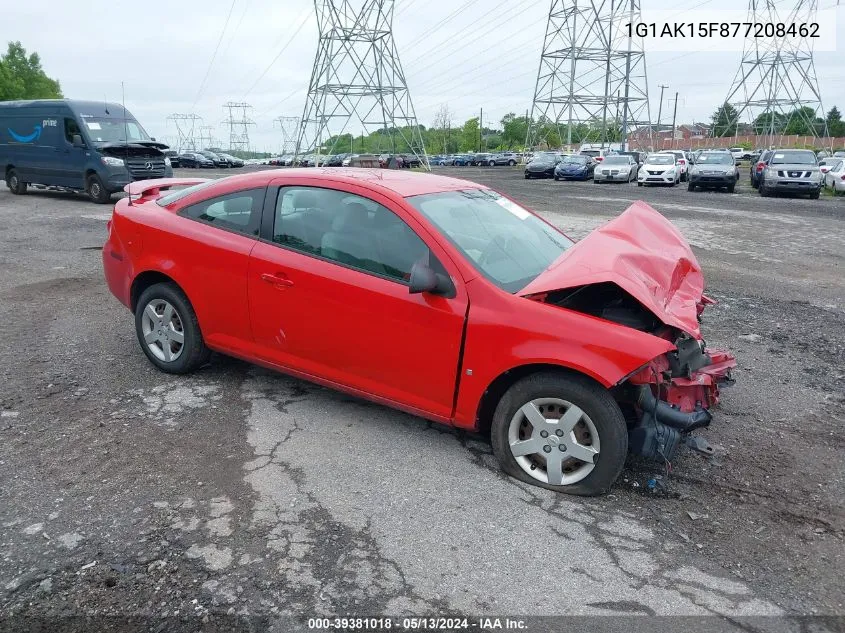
x=561 y=432
x=168 y=330
x=690 y=187
x=492 y=163
x=96 y=190
x=511 y=163
x=13 y=181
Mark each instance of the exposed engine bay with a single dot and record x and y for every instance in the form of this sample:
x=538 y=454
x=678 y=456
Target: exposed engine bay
x=672 y=394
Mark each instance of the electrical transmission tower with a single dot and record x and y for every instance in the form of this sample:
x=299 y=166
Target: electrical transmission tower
x=290 y=128
x=592 y=83
x=776 y=83
x=205 y=139
x=358 y=79
x=186 y=126
x=238 y=122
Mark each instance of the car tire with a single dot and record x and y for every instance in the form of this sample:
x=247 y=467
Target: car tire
x=600 y=424
x=527 y=177
x=815 y=195
x=763 y=189
x=96 y=190
x=491 y=164
x=14 y=183
x=557 y=178
x=731 y=188
x=511 y=163
x=166 y=352
x=690 y=187
x=639 y=184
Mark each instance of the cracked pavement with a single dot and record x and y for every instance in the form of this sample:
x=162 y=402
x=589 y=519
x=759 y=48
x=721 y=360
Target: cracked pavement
x=243 y=492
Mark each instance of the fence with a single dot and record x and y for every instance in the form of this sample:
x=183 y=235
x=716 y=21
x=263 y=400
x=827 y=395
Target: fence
x=757 y=142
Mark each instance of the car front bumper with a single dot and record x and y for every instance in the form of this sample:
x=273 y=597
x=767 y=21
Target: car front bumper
x=712 y=180
x=656 y=179
x=794 y=186
x=623 y=177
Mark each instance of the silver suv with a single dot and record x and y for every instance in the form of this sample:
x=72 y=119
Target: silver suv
x=791 y=171
x=503 y=158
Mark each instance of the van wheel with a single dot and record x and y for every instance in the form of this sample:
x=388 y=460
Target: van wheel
x=561 y=432
x=96 y=190
x=14 y=183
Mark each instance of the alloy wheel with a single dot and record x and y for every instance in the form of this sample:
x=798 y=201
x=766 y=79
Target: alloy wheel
x=554 y=441
x=163 y=331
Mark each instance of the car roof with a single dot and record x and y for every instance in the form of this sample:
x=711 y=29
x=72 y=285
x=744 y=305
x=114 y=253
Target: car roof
x=404 y=183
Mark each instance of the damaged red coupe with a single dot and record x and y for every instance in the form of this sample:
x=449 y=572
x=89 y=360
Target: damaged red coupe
x=432 y=295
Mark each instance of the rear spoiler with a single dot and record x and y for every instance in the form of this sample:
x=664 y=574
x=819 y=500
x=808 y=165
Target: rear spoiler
x=151 y=188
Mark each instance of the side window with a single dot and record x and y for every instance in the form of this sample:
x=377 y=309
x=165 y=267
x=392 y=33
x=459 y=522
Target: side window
x=239 y=211
x=350 y=230
x=71 y=128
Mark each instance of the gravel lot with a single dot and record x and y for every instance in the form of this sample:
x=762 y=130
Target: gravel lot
x=241 y=491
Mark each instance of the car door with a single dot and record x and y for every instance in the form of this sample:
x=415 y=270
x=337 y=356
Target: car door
x=329 y=296
x=69 y=165
x=211 y=261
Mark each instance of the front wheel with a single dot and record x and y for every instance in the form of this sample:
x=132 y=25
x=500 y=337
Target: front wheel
x=511 y=163
x=13 y=181
x=690 y=187
x=731 y=188
x=815 y=195
x=561 y=432
x=168 y=329
x=96 y=190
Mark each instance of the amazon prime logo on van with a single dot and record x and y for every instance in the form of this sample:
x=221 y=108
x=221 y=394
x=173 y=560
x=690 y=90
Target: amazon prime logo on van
x=36 y=132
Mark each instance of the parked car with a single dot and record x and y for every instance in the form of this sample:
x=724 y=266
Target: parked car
x=575 y=167
x=660 y=169
x=86 y=146
x=683 y=165
x=616 y=169
x=543 y=165
x=826 y=163
x=480 y=159
x=218 y=161
x=740 y=153
x=597 y=155
x=504 y=158
x=835 y=176
x=195 y=159
x=791 y=171
x=758 y=166
x=366 y=277
x=713 y=170
x=463 y=160
x=839 y=154
x=232 y=161
x=173 y=156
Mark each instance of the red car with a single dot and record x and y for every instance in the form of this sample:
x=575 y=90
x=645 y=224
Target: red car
x=436 y=296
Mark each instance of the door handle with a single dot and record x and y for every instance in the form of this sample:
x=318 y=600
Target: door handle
x=277 y=280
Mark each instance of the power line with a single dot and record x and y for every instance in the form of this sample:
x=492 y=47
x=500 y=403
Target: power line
x=214 y=55
x=306 y=16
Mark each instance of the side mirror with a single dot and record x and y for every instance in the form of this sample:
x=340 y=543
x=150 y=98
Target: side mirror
x=77 y=140
x=152 y=138
x=424 y=279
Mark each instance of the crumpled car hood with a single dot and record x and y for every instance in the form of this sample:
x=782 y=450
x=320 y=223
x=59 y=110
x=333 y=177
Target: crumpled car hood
x=645 y=255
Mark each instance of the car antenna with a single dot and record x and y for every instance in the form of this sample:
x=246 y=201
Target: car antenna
x=126 y=133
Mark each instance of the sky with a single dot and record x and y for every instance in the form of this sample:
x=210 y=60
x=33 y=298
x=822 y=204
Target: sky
x=484 y=55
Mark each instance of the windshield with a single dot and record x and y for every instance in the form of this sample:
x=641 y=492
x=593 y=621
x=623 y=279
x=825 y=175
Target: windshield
x=590 y=152
x=616 y=160
x=793 y=158
x=103 y=130
x=661 y=159
x=545 y=157
x=574 y=160
x=507 y=244
x=722 y=158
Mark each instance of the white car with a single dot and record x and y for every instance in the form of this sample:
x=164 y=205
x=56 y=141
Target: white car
x=834 y=178
x=683 y=163
x=826 y=163
x=660 y=169
x=740 y=153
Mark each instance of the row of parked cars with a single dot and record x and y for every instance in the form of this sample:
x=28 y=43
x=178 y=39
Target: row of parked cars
x=203 y=159
x=774 y=171
x=481 y=159
x=343 y=160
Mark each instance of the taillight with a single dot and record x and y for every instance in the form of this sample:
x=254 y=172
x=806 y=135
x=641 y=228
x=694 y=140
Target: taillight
x=842 y=177
x=682 y=161
x=760 y=166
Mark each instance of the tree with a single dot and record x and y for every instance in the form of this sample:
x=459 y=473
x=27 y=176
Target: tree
x=514 y=130
x=835 y=124
x=469 y=135
x=442 y=128
x=22 y=77
x=724 y=120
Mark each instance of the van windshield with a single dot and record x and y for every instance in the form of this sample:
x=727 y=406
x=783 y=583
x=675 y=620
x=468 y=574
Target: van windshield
x=103 y=130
